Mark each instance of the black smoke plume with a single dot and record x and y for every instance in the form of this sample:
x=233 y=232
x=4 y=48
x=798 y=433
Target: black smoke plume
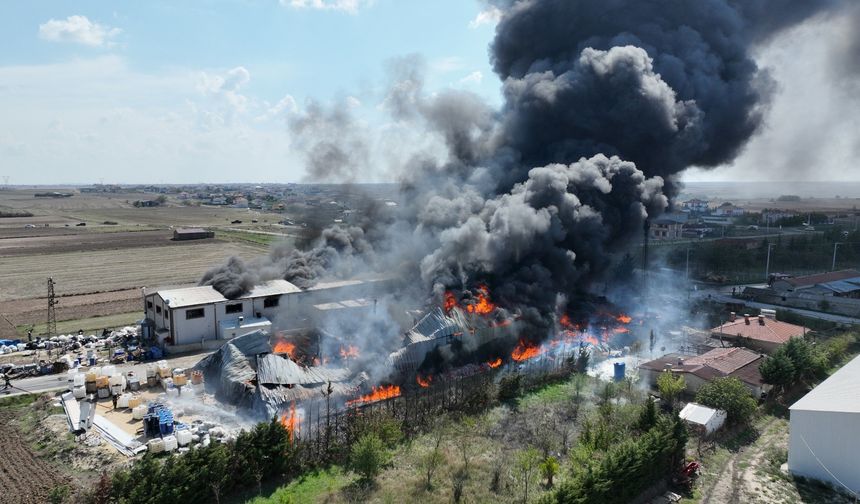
x=606 y=102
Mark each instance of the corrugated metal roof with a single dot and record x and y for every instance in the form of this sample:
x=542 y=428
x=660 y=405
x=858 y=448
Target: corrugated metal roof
x=843 y=286
x=276 y=370
x=206 y=294
x=822 y=278
x=698 y=414
x=839 y=393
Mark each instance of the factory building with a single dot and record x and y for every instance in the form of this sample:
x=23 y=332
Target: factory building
x=197 y=315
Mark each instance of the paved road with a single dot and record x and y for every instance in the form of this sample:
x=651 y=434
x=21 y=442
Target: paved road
x=719 y=296
x=49 y=383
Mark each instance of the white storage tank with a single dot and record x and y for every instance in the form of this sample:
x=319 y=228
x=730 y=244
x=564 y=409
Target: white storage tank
x=170 y=443
x=183 y=437
x=139 y=412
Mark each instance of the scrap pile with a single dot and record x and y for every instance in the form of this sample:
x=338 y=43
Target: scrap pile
x=248 y=374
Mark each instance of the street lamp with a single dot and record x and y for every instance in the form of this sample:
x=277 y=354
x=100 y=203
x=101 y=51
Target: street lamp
x=835 y=248
x=687 y=269
x=770 y=247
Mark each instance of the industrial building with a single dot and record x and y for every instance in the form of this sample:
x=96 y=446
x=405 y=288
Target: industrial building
x=823 y=442
x=197 y=315
x=183 y=234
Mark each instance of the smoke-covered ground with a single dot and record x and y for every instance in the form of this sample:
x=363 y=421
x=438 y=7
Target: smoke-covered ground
x=606 y=102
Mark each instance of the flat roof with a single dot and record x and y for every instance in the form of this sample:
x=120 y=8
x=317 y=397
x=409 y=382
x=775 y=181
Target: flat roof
x=206 y=294
x=839 y=393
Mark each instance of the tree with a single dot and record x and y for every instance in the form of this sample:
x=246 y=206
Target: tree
x=548 y=469
x=527 y=463
x=730 y=395
x=647 y=416
x=368 y=457
x=434 y=458
x=58 y=494
x=777 y=370
x=670 y=386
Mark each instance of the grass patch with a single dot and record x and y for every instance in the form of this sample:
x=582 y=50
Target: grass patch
x=18 y=402
x=312 y=487
x=87 y=325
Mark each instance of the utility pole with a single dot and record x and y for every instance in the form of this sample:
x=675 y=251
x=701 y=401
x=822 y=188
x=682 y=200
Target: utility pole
x=835 y=247
x=52 y=314
x=687 y=270
x=770 y=247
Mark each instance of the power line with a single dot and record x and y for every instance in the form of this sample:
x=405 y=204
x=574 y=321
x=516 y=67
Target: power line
x=52 y=314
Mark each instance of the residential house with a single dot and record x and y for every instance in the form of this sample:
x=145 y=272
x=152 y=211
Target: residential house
x=717 y=363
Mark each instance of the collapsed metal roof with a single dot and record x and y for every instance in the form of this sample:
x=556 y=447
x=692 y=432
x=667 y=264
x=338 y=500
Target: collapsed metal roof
x=278 y=370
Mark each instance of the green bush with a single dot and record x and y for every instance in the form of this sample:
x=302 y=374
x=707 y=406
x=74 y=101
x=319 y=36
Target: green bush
x=730 y=395
x=510 y=387
x=368 y=457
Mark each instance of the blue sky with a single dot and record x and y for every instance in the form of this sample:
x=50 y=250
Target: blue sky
x=201 y=91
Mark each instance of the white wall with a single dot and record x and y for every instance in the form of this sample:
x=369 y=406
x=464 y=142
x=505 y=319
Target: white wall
x=831 y=437
x=194 y=330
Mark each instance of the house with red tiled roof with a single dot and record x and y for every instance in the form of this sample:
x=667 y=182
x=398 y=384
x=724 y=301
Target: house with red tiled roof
x=718 y=363
x=763 y=333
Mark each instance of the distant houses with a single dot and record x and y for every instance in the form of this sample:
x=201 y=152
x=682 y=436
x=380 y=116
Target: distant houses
x=836 y=292
x=762 y=333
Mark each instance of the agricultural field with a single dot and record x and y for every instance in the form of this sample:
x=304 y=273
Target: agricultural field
x=100 y=268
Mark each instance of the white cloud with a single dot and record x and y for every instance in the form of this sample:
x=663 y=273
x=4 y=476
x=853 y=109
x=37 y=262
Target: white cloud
x=224 y=90
x=490 y=16
x=351 y=6
x=446 y=64
x=78 y=29
x=473 y=78
x=353 y=102
x=285 y=106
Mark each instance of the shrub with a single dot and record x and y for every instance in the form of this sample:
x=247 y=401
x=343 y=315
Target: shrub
x=510 y=387
x=548 y=469
x=368 y=457
x=670 y=386
x=730 y=395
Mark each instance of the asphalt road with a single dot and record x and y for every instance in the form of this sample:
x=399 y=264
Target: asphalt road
x=49 y=383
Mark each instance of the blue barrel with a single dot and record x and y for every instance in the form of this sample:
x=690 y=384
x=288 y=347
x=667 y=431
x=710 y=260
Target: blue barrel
x=620 y=369
x=92 y=361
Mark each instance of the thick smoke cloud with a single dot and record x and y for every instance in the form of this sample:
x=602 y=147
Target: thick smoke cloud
x=606 y=102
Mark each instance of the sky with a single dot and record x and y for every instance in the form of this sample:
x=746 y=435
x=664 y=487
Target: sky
x=185 y=92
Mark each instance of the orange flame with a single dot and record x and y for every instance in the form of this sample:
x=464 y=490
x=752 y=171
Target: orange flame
x=484 y=306
x=377 y=394
x=495 y=363
x=424 y=381
x=285 y=347
x=349 y=352
x=621 y=330
x=526 y=350
x=624 y=319
x=291 y=423
x=450 y=301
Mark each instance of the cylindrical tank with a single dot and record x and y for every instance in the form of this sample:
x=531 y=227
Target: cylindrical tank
x=620 y=369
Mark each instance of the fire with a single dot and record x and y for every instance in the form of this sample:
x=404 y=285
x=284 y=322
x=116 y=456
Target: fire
x=484 y=306
x=564 y=320
x=502 y=323
x=424 y=381
x=285 y=347
x=621 y=330
x=377 y=394
x=526 y=350
x=291 y=423
x=349 y=352
x=495 y=363
x=450 y=301
x=624 y=319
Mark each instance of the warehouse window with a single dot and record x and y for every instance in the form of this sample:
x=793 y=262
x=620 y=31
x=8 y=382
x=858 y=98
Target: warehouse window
x=149 y=305
x=193 y=313
x=166 y=313
x=157 y=309
x=271 y=302
x=233 y=308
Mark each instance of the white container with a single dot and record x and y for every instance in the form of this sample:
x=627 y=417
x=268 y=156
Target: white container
x=150 y=371
x=173 y=392
x=198 y=388
x=122 y=402
x=116 y=390
x=115 y=379
x=79 y=380
x=96 y=371
x=80 y=392
x=167 y=383
x=156 y=445
x=186 y=392
x=139 y=412
x=170 y=443
x=183 y=437
x=109 y=370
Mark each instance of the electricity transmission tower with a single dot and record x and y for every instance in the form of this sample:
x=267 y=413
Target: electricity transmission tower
x=52 y=315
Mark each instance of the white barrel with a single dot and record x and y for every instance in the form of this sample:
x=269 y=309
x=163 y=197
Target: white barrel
x=138 y=412
x=170 y=443
x=156 y=445
x=173 y=392
x=122 y=402
x=80 y=392
x=183 y=437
